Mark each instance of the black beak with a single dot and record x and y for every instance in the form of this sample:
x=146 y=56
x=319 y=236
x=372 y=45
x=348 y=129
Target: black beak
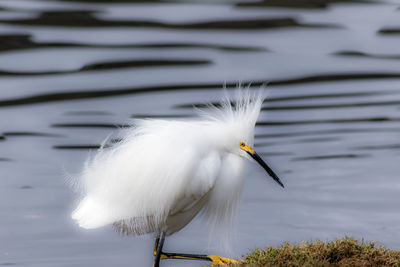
x=271 y=173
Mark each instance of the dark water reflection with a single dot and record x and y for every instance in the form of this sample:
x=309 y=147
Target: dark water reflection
x=365 y=55
x=93 y=93
x=115 y=65
x=73 y=72
x=307 y=4
x=88 y=19
x=23 y=41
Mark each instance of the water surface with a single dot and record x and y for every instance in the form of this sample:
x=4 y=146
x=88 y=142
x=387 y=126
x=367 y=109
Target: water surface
x=73 y=72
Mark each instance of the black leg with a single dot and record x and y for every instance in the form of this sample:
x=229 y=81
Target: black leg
x=160 y=255
x=156 y=246
x=159 y=245
x=217 y=260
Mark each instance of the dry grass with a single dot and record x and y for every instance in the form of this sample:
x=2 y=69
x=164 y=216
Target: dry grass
x=342 y=252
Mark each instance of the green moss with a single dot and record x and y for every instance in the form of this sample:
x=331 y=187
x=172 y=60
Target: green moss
x=342 y=252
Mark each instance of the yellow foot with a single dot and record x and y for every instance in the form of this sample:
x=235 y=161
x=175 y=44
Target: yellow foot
x=217 y=260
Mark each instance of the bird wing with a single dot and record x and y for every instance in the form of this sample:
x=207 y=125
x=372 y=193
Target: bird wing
x=202 y=181
x=149 y=176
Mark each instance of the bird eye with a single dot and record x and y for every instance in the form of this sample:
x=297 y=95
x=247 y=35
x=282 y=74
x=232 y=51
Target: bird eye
x=242 y=144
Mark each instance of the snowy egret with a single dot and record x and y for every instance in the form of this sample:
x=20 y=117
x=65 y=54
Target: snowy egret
x=164 y=172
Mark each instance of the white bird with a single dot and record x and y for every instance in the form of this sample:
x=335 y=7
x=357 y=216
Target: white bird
x=164 y=172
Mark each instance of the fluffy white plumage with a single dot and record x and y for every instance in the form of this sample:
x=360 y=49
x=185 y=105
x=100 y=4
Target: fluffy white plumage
x=164 y=172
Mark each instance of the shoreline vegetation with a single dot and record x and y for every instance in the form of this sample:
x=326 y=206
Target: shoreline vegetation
x=345 y=252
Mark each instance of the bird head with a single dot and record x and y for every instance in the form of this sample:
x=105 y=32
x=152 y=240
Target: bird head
x=236 y=122
x=253 y=154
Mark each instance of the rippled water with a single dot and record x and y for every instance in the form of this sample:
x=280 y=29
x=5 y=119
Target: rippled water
x=71 y=72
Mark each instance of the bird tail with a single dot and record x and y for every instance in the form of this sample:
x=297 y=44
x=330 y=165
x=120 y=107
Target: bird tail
x=90 y=214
